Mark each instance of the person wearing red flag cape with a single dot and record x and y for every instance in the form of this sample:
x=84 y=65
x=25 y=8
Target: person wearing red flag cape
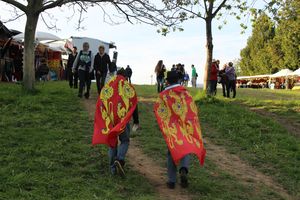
x=114 y=109
x=177 y=117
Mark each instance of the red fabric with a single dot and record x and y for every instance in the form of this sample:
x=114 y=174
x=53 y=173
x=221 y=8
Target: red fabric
x=213 y=72
x=114 y=108
x=177 y=117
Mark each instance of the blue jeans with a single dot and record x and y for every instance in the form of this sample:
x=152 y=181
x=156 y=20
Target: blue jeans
x=119 y=152
x=160 y=84
x=172 y=169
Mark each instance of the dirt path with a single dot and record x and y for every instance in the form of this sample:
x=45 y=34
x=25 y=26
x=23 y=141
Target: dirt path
x=230 y=163
x=146 y=166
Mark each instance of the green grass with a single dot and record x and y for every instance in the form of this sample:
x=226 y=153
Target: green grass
x=209 y=182
x=285 y=103
x=258 y=140
x=46 y=150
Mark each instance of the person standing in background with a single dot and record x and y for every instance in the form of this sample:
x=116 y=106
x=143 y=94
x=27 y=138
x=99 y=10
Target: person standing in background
x=194 y=76
x=84 y=63
x=230 y=73
x=101 y=65
x=160 y=75
x=213 y=79
x=73 y=77
x=128 y=73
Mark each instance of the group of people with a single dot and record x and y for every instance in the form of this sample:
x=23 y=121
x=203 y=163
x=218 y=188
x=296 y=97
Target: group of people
x=183 y=76
x=86 y=66
x=108 y=123
x=225 y=76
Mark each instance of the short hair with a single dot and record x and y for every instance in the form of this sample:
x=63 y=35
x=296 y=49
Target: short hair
x=75 y=47
x=86 y=44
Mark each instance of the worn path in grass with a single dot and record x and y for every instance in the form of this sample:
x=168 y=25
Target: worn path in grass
x=290 y=125
x=156 y=174
x=144 y=165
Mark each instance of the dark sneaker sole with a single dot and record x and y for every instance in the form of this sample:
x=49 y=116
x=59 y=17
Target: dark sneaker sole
x=184 y=180
x=120 y=169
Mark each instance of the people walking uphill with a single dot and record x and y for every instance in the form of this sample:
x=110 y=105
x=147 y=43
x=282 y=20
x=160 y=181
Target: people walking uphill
x=213 y=78
x=101 y=65
x=177 y=117
x=194 y=76
x=230 y=73
x=72 y=77
x=128 y=73
x=84 y=64
x=160 y=75
x=114 y=109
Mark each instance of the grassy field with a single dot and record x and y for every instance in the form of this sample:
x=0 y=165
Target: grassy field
x=46 y=150
x=258 y=140
x=285 y=103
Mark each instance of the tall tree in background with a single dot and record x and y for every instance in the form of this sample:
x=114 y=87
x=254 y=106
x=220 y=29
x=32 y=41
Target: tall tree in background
x=255 y=57
x=138 y=10
x=288 y=33
x=281 y=48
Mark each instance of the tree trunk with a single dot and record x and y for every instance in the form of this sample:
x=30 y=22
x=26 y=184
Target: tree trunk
x=29 y=51
x=209 y=53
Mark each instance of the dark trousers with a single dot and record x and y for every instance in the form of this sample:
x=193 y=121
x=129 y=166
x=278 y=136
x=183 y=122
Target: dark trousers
x=224 y=88
x=84 y=80
x=100 y=81
x=135 y=115
x=160 y=84
x=231 y=86
x=73 y=78
x=213 y=87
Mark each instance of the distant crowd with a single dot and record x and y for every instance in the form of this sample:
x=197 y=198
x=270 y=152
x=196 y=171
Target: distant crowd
x=225 y=76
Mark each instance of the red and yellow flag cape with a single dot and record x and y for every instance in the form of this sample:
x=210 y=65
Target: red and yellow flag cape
x=177 y=117
x=114 y=109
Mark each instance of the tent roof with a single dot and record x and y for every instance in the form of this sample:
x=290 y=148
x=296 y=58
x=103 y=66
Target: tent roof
x=295 y=73
x=282 y=73
x=254 y=77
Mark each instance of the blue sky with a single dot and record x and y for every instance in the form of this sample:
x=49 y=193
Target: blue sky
x=140 y=46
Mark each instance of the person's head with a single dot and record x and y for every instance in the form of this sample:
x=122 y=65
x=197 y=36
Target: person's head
x=172 y=77
x=224 y=66
x=193 y=66
x=85 y=46
x=158 y=67
x=173 y=66
x=230 y=64
x=101 y=49
x=128 y=66
x=121 y=72
x=74 y=49
x=218 y=62
x=213 y=61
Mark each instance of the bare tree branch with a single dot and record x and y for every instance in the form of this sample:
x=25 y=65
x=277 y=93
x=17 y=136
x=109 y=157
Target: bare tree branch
x=16 y=4
x=219 y=8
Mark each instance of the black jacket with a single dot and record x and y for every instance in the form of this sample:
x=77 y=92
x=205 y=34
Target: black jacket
x=71 y=60
x=102 y=63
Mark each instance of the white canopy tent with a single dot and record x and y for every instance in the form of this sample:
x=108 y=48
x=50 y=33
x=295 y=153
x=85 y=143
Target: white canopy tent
x=295 y=73
x=39 y=36
x=282 y=73
x=254 y=77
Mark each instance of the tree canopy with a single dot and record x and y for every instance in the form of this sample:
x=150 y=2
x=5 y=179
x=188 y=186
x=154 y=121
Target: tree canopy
x=274 y=43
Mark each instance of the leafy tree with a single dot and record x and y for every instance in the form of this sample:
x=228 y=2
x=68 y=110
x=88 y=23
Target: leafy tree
x=275 y=43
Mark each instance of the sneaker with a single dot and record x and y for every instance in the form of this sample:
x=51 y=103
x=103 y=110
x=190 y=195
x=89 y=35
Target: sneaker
x=119 y=166
x=86 y=95
x=183 y=178
x=135 y=127
x=171 y=185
